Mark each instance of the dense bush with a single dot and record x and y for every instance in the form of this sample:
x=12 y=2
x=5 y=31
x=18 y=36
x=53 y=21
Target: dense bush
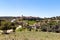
x=6 y=25
x=44 y=28
x=51 y=27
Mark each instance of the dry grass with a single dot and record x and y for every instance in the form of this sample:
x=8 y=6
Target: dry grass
x=31 y=36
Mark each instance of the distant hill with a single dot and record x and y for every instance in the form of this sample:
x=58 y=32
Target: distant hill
x=24 y=18
x=7 y=18
x=28 y=18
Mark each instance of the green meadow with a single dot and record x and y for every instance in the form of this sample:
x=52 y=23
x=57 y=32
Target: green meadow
x=27 y=35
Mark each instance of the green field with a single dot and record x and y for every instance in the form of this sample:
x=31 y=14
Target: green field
x=31 y=36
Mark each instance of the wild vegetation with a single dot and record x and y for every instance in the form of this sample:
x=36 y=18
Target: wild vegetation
x=30 y=23
x=31 y=28
x=27 y=35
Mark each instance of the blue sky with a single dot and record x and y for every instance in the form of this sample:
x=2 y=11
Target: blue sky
x=40 y=8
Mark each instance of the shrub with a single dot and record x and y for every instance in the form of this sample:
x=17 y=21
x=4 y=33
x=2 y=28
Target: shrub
x=44 y=28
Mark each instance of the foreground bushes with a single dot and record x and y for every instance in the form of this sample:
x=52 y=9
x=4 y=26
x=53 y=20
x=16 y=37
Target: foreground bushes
x=6 y=25
x=48 y=27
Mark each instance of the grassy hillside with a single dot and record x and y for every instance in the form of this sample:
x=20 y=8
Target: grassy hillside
x=31 y=36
